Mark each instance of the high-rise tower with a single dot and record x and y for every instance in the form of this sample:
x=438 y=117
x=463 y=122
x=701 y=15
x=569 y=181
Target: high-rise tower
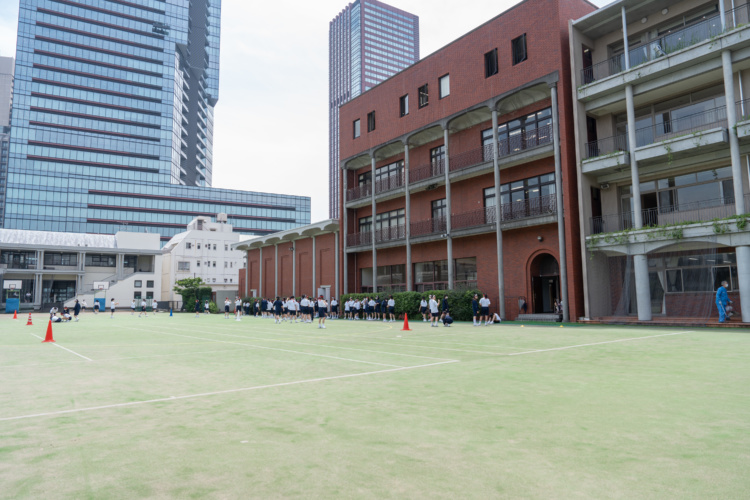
x=112 y=121
x=368 y=42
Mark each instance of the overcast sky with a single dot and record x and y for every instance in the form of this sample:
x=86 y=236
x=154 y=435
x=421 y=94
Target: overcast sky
x=271 y=121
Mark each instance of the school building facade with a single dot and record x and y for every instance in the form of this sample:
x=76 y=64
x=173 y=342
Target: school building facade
x=663 y=147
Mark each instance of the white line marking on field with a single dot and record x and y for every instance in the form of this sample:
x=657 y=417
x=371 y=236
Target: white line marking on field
x=269 y=348
x=597 y=343
x=227 y=391
x=330 y=346
x=65 y=348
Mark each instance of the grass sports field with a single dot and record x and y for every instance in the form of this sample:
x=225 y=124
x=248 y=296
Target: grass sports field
x=179 y=407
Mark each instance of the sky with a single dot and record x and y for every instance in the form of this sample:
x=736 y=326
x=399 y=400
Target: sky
x=271 y=121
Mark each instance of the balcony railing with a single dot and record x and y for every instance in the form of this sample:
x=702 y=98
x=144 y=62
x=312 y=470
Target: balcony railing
x=474 y=218
x=470 y=158
x=429 y=226
x=390 y=183
x=700 y=211
x=670 y=129
x=443 y=285
x=359 y=192
x=672 y=42
x=390 y=233
x=533 y=207
x=359 y=239
x=433 y=169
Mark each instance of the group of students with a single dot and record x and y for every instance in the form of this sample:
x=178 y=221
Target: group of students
x=144 y=305
x=56 y=317
x=372 y=309
x=303 y=311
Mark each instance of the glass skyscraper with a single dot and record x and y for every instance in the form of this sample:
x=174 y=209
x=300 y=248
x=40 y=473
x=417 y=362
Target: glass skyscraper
x=368 y=42
x=112 y=121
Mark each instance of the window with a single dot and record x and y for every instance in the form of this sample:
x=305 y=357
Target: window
x=390 y=219
x=438 y=208
x=214 y=246
x=437 y=160
x=518 y=46
x=365 y=224
x=149 y=296
x=214 y=264
x=371 y=121
x=403 y=104
x=230 y=280
x=225 y=264
x=138 y=283
x=445 y=86
x=60 y=259
x=199 y=246
x=490 y=63
x=226 y=247
x=183 y=266
x=231 y=264
x=225 y=280
x=197 y=263
x=434 y=275
x=98 y=260
x=423 y=96
x=364 y=179
x=137 y=295
x=214 y=280
x=522 y=133
x=150 y=284
x=356 y=128
x=188 y=245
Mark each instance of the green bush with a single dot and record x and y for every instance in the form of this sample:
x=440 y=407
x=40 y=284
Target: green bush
x=459 y=302
x=213 y=308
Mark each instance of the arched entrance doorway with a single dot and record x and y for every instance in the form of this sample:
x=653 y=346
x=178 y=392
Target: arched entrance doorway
x=545 y=283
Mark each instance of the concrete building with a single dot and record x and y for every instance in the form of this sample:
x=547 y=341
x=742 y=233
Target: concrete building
x=56 y=268
x=368 y=42
x=663 y=143
x=304 y=260
x=112 y=122
x=204 y=251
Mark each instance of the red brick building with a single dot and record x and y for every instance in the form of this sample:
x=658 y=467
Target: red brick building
x=417 y=151
x=466 y=159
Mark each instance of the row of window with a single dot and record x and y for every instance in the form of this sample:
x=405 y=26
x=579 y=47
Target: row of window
x=139 y=283
x=207 y=246
x=434 y=272
x=519 y=54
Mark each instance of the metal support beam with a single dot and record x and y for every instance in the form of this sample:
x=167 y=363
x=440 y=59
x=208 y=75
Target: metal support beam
x=559 y=195
x=448 y=237
x=498 y=219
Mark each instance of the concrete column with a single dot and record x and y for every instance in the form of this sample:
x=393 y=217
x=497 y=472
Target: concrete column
x=640 y=262
x=344 y=226
x=276 y=272
x=336 y=264
x=372 y=230
x=120 y=265
x=294 y=268
x=314 y=271
x=626 y=46
x=38 y=288
x=81 y=261
x=260 y=272
x=39 y=254
x=407 y=218
x=247 y=276
x=498 y=219
x=743 y=276
x=560 y=209
x=449 y=211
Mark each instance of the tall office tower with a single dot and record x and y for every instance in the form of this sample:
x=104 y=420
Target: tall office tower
x=112 y=121
x=368 y=42
x=6 y=90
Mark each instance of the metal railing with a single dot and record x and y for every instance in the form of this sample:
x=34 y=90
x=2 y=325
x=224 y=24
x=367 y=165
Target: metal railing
x=711 y=118
x=428 y=226
x=432 y=169
x=666 y=44
x=527 y=139
x=359 y=192
x=533 y=207
x=473 y=218
x=389 y=183
x=470 y=158
x=390 y=233
x=699 y=211
x=443 y=285
x=359 y=239
x=670 y=129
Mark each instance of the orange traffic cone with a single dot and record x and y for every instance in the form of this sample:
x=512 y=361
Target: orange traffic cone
x=28 y=323
x=15 y=314
x=49 y=338
x=406 y=324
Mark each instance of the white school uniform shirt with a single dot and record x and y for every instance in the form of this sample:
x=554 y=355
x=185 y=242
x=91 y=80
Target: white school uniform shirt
x=238 y=303
x=112 y=305
x=334 y=303
x=356 y=305
x=433 y=306
x=132 y=305
x=423 y=303
x=347 y=305
x=484 y=302
x=154 y=304
x=322 y=304
x=371 y=303
x=143 y=303
x=269 y=305
x=304 y=302
x=391 y=302
x=290 y=305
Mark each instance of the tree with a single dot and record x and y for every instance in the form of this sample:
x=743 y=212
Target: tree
x=190 y=289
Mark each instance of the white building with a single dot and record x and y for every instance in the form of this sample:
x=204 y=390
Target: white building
x=57 y=268
x=203 y=251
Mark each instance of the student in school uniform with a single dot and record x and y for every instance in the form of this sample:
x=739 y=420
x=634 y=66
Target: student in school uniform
x=334 y=308
x=112 y=305
x=434 y=315
x=484 y=312
x=392 y=308
x=227 y=305
x=237 y=308
x=206 y=308
x=143 y=308
x=322 y=308
x=132 y=308
x=423 y=310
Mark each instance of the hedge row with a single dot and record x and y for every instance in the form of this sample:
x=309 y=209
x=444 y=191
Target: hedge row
x=459 y=302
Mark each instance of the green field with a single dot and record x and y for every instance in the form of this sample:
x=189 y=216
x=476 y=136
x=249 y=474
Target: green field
x=179 y=407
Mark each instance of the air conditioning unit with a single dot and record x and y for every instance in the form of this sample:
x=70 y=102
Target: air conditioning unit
x=604 y=186
x=222 y=217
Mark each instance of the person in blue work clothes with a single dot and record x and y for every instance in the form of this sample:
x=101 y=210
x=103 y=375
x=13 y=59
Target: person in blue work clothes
x=722 y=299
